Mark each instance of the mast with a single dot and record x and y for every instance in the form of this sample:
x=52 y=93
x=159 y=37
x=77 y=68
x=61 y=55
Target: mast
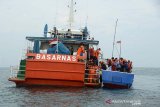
x=120 y=50
x=114 y=37
x=71 y=13
x=57 y=44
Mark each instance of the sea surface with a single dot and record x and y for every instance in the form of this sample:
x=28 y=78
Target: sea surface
x=145 y=92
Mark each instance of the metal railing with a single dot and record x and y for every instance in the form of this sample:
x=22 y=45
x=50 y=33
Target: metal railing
x=92 y=78
x=14 y=71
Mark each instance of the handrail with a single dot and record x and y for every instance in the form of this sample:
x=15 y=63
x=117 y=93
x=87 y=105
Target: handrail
x=91 y=68
x=92 y=77
x=92 y=74
x=14 y=71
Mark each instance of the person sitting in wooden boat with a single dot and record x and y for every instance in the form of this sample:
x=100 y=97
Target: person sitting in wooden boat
x=118 y=66
x=113 y=65
x=126 y=66
x=121 y=62
x=109 y=64
x=125 y=63
x=122 y=65
x=129 y=66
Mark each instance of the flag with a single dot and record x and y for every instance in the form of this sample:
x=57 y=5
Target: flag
x=118 y=41
x=54 y=41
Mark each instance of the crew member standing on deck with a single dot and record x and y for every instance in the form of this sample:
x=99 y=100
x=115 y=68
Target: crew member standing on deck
x=97 y=52
x=91 y=52
x=80 y=50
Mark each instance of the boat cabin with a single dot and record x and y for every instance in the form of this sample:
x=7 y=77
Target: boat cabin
x=71 y=39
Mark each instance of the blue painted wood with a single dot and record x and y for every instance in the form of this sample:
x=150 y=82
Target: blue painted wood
x=117 y=78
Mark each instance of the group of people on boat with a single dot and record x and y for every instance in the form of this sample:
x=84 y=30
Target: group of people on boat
x=94 y=55
x=121 y=64
x=113 y=64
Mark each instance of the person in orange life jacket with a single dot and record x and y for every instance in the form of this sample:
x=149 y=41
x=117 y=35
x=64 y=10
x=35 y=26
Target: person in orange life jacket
x=97 y=52
x=95 y=58
x=80 y=50
x=129 y=66
x=96 y=55
x=113 y=65
x=91 y=52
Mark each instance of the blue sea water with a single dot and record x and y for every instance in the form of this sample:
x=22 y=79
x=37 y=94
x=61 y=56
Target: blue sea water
x=145 y=92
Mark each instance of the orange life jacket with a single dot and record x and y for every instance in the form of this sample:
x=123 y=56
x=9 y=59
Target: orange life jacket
x=97 y=52
x=80 y=50
x=91 y=50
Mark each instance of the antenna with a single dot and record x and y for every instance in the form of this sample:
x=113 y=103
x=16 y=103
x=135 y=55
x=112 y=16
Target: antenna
x=87 y=14
x=45 y=31
x=114 y=37
x=71 y=13
x=55 y=17
x=120 y=45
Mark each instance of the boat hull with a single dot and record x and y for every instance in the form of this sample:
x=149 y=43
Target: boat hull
x=52 y=73
x=45 y=82
x=115 y=86
x=117 y=80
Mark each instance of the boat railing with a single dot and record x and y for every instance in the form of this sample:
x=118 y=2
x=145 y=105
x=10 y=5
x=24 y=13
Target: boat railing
x=72 y=36
x=14 y=71
x=92 y=77
x=24 y=51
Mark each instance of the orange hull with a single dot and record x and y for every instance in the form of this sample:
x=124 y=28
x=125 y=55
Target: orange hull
x=52 y=73
x=45 y=82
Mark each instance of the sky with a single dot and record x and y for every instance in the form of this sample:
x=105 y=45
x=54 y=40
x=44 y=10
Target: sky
x=138 y=26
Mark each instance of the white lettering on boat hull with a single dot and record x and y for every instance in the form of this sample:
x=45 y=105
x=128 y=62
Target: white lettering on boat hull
x=56 y=57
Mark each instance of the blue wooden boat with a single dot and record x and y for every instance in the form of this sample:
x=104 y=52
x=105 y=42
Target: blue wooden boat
x=116 y=79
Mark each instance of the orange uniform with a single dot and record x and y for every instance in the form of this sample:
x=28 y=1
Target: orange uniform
x=97 y=52
x=80 y=50
x=91 y=50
